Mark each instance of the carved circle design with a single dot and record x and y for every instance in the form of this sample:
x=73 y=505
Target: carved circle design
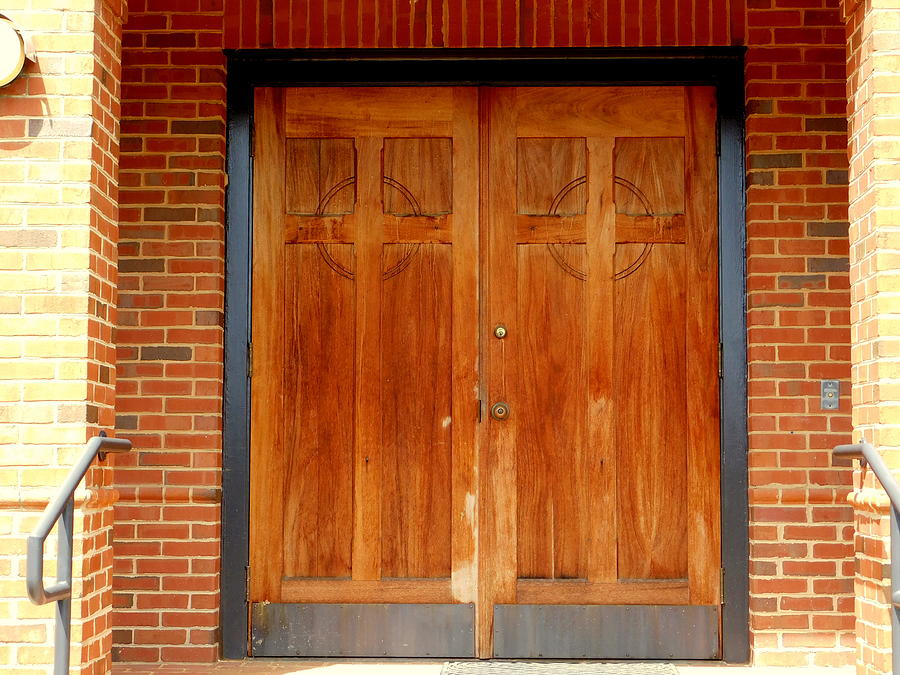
x=557 y=250
x=411 y=249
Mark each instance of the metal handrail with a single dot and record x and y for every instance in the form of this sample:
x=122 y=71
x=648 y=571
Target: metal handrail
x=62 y=508
x=867 y=454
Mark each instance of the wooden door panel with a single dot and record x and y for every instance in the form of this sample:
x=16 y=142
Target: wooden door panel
x=601 y=263
x=551 y=412
x=318 y=391
x=365 y=213
x=417 y=411
x=651 y=412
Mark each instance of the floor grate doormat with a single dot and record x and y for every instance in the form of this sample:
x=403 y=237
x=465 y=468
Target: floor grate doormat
x=555 y=668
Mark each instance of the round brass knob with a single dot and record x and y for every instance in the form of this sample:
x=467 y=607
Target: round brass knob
x=500 y=332
x=500 y=410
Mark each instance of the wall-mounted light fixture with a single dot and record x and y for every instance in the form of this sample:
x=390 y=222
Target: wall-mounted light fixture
x=14 y=49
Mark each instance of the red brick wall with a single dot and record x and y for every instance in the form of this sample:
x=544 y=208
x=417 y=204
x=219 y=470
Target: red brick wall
x=486 y=23
x=170 y=332
x=798 y=316
x=172 y=279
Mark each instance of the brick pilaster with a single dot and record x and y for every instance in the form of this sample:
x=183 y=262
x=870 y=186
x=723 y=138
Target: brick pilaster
x=873 y=39
x=58 y=234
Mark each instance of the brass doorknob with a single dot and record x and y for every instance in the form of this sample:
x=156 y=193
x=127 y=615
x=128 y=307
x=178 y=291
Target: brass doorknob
x=500 y=410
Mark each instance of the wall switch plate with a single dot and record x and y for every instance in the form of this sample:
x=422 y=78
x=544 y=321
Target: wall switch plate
x=830 y=394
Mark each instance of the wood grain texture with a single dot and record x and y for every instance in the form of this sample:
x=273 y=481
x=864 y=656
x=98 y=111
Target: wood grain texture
x=416 y=411
x=319 y=388
x=465 y=349
x=319 y=175
x=704 y=531
x=368 y=454
x=600 y=511
x=551 y=407
x=266 y=389
x=348 y=112
x=650 y=173
x=651 y=416
x=497 y=477
x=600 y=111
x=420 y=591
x=572 y=592
x=417 y=176
x=548 y=173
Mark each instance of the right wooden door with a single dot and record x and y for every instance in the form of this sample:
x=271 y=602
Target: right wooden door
x=599 y=490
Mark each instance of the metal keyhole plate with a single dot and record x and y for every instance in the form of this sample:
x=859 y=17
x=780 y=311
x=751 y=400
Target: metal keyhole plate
x=500 y=411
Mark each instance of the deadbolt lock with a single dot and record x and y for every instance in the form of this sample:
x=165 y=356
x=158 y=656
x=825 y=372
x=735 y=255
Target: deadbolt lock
x=500 y=411
x=500 y=331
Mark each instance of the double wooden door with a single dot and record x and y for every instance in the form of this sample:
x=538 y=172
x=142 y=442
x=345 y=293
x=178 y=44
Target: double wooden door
x=484 y=379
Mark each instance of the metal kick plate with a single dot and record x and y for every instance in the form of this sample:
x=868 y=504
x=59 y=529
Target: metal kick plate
x=293 y=629
x=606 y=632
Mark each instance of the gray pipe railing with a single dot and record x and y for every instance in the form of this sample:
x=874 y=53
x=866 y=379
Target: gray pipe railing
x=62 y=508
x=867 y=454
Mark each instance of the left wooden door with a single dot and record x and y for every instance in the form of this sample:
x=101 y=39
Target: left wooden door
x=364 y=384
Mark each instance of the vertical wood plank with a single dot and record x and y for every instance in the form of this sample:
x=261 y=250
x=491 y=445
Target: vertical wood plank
x=497 y=494
x=704 y=532
x=266 y=433
x=601 y=245
x=551 y=397
x=651 y=420
x=367 y=456
x=416 y=411
x=466 y=328
x=319 y=388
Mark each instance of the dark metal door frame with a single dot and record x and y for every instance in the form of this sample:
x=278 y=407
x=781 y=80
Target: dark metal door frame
x=720 y=67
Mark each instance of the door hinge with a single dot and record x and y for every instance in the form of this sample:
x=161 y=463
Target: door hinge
x=721 y=360
x=249 y=359
x=247 y=587
x=722 y=584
